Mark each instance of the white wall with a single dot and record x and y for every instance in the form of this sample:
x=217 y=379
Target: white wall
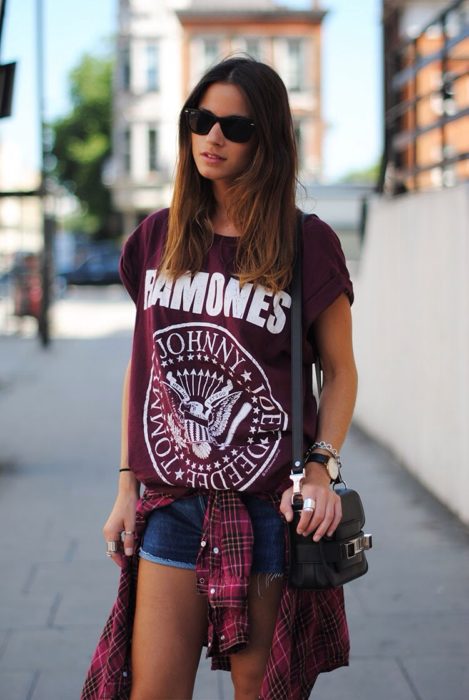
x=411 y=330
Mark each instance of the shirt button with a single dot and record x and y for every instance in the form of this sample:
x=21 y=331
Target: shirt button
x=203 y=543
x=212 y=591
x=215 y=550
x=201 y=580
x=222 y=636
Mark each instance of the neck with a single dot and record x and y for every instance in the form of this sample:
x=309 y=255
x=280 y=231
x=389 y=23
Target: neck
x=219 y=190
x=220 y=221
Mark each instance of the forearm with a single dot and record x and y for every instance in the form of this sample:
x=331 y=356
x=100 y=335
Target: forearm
x=336 y=406
x=334 y=416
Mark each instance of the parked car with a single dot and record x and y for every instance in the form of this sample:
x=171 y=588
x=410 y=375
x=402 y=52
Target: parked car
x=100 y=269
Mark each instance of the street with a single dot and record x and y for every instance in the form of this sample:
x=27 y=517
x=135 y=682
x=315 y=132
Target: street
x=59 y=453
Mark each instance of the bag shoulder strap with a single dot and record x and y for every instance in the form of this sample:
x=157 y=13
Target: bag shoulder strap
x=297 y=351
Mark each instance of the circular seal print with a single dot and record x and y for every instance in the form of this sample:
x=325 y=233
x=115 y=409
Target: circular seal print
x=210 y=418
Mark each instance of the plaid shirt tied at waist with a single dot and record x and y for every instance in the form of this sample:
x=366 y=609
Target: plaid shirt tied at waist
x=310 y=636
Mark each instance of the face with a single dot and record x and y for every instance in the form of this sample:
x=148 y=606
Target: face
x=217 y=158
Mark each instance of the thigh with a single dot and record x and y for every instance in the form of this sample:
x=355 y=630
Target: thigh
x=248 y=666
x=169 y=631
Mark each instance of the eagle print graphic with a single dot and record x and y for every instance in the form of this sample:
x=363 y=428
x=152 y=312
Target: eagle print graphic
x=204 y=402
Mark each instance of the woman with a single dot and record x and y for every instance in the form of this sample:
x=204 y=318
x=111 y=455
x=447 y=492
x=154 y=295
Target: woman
x=206 y=407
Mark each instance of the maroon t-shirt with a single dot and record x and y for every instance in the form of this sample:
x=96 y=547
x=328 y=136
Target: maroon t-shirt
x=210 y=374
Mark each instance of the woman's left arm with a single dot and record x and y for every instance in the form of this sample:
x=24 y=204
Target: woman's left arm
x=333 y=337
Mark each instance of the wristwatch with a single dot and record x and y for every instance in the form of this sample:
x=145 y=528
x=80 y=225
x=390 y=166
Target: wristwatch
x=330 y=463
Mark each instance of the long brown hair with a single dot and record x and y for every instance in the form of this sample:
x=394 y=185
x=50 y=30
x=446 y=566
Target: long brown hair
x=261 y=200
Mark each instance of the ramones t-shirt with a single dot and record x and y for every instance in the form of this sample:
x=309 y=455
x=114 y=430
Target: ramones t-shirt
x=210 y=398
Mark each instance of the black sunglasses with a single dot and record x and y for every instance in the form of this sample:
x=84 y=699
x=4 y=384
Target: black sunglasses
x=237 y=129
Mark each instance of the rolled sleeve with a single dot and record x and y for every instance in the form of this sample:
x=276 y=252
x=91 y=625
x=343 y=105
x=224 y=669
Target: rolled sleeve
x=325 y=273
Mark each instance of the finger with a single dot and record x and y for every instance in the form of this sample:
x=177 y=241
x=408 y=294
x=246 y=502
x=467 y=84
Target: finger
x=318 y=514
x=117 y=559
x=128 y=540
x=285 y=505
x=304 y=523
x=337 y=518
x=110 y=533
x=328 y=518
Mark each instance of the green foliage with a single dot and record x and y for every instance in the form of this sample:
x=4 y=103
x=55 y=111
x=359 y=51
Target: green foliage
x=366 y=176
x=82 y=140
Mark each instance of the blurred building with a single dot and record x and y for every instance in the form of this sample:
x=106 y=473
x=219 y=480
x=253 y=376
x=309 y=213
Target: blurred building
x=20 y=217
x=163 y=48
x=427 y=92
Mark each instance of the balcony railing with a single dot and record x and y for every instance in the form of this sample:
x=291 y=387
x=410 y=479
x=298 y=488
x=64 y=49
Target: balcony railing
x=427 y=104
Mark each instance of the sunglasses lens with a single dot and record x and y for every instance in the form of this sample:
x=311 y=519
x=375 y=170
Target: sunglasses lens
x=237 y=129
x=199 y=122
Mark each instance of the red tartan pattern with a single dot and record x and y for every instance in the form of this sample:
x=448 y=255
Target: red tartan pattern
x=311 y=633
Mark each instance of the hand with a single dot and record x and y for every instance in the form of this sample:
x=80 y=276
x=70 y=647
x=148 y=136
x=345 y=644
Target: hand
x=122 y=519
x=327 y=513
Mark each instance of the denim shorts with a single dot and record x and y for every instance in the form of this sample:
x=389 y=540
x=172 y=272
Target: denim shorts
x=173 y=534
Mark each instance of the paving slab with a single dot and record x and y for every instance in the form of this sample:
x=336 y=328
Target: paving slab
x=430 y=676
x=212 y=685
x=49 y=649
x=26 y=611
x=58 y=685
x=377 y=679
x=402 y=634
x=17 y=685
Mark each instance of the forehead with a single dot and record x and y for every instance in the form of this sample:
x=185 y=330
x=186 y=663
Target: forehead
x=225 y=99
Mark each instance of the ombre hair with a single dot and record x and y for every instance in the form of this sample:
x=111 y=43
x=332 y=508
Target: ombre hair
x=260 y=201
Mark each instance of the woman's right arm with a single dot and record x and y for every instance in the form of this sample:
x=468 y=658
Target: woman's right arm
x=122 y=517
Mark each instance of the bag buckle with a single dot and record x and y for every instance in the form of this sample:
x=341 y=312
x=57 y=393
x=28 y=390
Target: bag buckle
x=359 y=544
x=297 y=477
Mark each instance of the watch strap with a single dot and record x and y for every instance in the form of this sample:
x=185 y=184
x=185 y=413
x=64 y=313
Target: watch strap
x=319 y=458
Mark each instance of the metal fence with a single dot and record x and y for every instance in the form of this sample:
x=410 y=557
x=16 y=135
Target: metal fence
x=426 y=103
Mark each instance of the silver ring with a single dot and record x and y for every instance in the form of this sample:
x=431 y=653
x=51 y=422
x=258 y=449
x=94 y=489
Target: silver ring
x=108 y=554
x=128 y=532
x=111 y=547
x=309 y=504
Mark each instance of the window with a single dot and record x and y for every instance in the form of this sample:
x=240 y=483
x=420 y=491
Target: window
x=295 y=65
x=253 y=48
x=152 y=149
x=127 y=150
x=153 y=67
x=210 y=52
x=125 y=74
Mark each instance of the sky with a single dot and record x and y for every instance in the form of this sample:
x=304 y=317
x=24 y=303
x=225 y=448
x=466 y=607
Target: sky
x=351 y=72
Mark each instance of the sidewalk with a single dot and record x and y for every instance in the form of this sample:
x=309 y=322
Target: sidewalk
x=59 y=442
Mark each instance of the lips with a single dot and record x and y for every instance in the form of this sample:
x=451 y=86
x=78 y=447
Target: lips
x=212 y=157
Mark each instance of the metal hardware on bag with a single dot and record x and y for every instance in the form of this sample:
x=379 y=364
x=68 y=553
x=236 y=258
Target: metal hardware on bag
x=354 y=547
x=297 y=478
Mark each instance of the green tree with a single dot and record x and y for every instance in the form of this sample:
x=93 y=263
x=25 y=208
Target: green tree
x=366 y=176
x=82 y=142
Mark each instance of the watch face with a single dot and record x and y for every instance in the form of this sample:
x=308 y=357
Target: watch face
x=333 y=468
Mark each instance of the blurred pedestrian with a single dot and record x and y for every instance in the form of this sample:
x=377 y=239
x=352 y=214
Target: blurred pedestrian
x=206 y=414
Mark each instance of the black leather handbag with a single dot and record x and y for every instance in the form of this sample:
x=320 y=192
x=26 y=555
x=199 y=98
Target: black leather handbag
x=335 y=560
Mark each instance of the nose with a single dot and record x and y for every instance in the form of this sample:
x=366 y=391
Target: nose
x=215 y=135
